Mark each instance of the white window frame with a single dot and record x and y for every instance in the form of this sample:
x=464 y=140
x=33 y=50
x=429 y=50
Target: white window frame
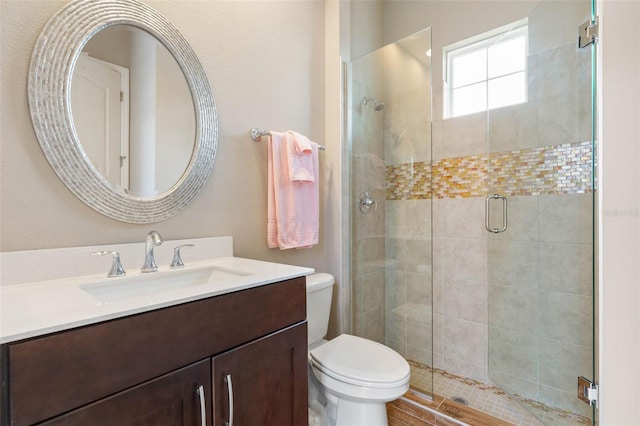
x=481 y=41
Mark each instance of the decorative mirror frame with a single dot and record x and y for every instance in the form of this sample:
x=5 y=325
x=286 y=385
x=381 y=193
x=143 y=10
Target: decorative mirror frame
x=49 y=90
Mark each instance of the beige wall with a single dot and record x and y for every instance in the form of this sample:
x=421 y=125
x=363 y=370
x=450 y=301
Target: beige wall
x=366 y=19
x=265 y=62
x=334 y=51
x=619 y=101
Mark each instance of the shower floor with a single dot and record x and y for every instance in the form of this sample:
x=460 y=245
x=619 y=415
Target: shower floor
x=490 y=399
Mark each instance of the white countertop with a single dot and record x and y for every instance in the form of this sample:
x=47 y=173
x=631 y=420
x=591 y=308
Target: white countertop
x=37 y=308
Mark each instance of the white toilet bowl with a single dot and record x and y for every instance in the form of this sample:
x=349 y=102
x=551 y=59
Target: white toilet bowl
x=358 y=377
x=352 y=377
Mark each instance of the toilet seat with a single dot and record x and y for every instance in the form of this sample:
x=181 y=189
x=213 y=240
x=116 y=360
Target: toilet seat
x=361 y=362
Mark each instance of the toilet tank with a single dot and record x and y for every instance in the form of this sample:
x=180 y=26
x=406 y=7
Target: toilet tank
x=319 y=292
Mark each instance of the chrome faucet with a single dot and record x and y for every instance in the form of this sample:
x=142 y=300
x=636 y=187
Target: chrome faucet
x=153 y=239
x=177 y=262
x=116 y=266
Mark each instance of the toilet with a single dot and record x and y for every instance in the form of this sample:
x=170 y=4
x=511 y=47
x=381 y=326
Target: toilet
x=350 y=378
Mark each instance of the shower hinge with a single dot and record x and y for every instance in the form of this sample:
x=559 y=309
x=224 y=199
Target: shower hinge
x=588 y=33
x=588 y=391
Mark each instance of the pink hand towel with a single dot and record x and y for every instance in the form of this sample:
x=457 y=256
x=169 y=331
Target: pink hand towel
x=292 y=205
x=299 y=157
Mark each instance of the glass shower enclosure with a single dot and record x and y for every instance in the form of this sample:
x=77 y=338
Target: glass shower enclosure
x=472 y=236
x=390 y=160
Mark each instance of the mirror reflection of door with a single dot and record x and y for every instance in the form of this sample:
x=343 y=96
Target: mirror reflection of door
x=100 y=104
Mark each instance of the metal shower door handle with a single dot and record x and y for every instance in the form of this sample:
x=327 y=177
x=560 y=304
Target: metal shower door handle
x=487 y=216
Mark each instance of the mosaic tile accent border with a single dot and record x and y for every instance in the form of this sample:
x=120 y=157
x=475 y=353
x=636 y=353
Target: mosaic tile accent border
x=460 y=177
x=408 y=181
x=557 y=169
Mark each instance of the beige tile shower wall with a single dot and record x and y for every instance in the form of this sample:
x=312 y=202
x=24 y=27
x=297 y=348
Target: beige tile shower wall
x=555 y=115
x=536 y=280
x=540 y=270
x=536 y=276
x=368 y=239
x=459 y=265
x=407 y=140
x=514 y=308
x=540 y=296
x=408 y=304
x=407 y=112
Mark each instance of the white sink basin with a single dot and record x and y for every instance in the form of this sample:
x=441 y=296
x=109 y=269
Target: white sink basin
x=70 y=288
x=115 y=289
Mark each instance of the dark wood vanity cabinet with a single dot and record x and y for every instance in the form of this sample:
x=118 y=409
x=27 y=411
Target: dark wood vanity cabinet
x=145 y=369
x=169 y=400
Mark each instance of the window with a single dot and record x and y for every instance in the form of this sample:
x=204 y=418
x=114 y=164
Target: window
x=486 y=72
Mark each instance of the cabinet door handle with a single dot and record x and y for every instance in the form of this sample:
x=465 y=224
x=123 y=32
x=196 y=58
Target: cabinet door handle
x=229 y=383
x=203 y=411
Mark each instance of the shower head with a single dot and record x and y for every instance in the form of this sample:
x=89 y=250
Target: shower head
x=379 y=106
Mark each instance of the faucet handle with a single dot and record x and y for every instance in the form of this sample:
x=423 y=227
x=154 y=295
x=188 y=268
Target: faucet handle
x=116 y=267
x=177 y=260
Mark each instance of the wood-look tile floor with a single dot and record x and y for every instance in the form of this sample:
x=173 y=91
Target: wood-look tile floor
x=491 y=400
x=415 y=409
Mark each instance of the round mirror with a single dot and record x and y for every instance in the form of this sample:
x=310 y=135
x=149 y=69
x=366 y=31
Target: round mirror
x=122 y=109
x=132 y=110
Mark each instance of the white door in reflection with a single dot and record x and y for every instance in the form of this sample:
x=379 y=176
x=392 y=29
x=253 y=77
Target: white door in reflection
x=100 y=104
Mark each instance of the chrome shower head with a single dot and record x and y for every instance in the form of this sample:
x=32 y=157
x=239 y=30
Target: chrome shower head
x=379 y=106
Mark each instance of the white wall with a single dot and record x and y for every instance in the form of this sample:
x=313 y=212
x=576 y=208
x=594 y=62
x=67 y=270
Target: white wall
x=619 y=135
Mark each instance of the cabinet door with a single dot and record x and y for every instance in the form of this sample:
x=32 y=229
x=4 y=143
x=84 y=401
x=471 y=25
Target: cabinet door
x=172 y=399
x=263 y=382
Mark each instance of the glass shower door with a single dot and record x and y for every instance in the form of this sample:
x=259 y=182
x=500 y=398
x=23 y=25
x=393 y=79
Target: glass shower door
x=540 y=222
x=389 y=148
